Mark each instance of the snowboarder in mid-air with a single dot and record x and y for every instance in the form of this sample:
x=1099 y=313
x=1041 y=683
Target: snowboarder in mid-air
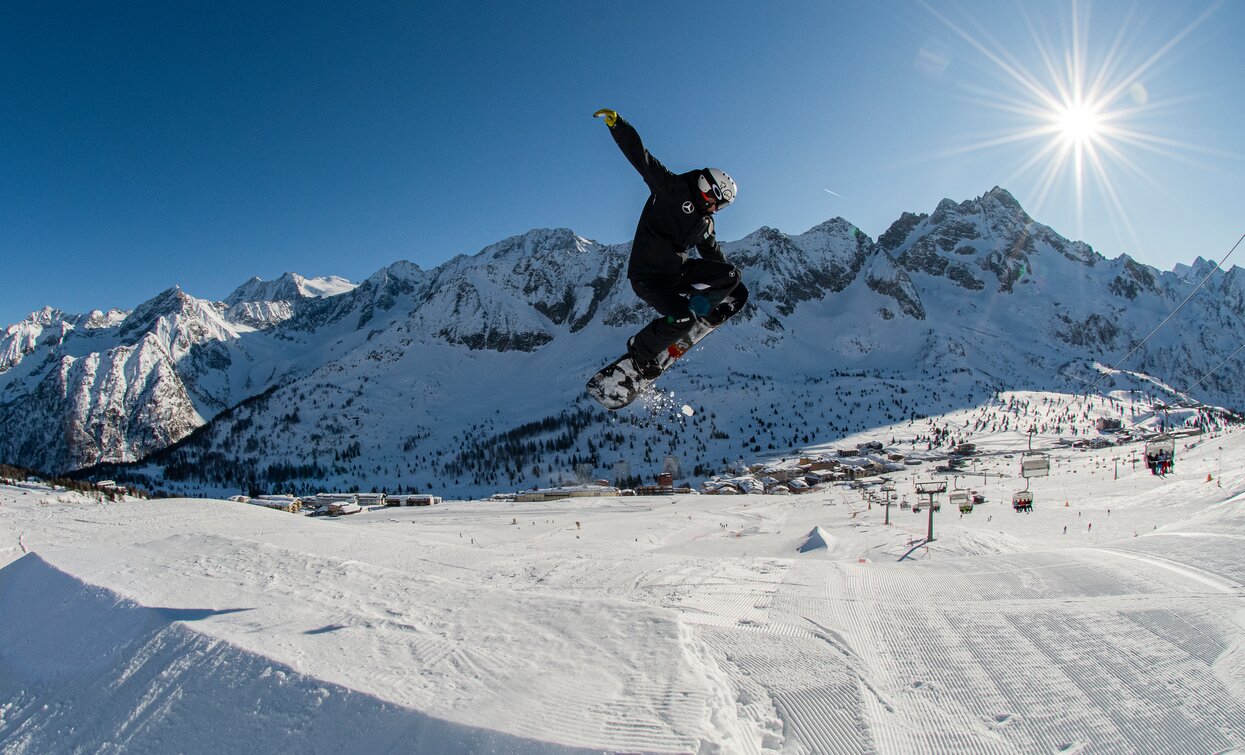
x=677 y=216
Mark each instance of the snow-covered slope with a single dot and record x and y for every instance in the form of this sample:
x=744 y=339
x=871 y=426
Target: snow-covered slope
x=1107 y=620
x=75 y=390
x=468 y=377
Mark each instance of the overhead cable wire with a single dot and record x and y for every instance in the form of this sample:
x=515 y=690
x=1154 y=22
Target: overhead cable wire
x=1079 y=397
x=1218 y=266
x=1212 y=372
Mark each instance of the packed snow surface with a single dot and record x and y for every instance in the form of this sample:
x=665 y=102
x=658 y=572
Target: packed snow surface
x=1110 y=619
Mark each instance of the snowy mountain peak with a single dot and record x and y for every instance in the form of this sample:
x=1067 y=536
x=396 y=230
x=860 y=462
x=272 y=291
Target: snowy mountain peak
x=985 y=244
x=38 y=319
x=324 y=286
x=21 y=338
x=96 y=319
x=264 y=304
x=996 y=206
x=836 y=226
x=541 y=244
x=285 y=288
x=1002 y=198
x=1200 y=269
x=168 y=303
x=400 y=270
x=288 y=288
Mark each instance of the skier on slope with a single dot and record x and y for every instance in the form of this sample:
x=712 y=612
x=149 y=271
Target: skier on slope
x=677 y=216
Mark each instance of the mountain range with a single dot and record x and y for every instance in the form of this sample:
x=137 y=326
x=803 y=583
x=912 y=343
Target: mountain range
x=468 y=377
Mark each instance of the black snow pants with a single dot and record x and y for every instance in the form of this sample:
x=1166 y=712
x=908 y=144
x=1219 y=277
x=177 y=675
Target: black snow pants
x=706 y=287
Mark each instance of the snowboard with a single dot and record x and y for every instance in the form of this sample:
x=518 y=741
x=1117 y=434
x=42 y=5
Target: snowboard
x=619 y=382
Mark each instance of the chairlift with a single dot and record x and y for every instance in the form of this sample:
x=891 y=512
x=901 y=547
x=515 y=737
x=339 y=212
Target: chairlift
x=960 y=498
x=1161 y=454
x=1022 y=500
x=1034 y=463
x=929 y=489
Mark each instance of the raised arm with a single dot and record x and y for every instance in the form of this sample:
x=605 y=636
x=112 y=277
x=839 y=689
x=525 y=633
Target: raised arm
x=659 y=179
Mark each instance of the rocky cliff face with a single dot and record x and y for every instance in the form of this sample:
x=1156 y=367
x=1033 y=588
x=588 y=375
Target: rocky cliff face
x=976 y=286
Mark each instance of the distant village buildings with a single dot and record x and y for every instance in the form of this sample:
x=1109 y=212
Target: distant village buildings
x=860 y=467
x=338 y=504
x=811 y=473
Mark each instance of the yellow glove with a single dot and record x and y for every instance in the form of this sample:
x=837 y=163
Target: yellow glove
x=611 y=116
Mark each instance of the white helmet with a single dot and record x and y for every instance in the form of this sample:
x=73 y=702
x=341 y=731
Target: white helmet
x=717 y=186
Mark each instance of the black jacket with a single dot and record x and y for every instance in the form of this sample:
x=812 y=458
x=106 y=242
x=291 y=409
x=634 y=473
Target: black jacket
x=675 y=218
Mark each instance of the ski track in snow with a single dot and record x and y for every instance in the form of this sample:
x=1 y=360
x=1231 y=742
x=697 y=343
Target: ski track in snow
x=685 y=624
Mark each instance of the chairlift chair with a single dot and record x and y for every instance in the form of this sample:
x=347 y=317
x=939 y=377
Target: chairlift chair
x=1034 y=464
x=1161 y=454
x=929 y=489
x=1022 y=500
x=961 y=497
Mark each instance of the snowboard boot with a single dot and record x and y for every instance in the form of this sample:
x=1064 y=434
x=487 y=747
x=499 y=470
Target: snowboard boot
x=718 y=315
x=648 y=366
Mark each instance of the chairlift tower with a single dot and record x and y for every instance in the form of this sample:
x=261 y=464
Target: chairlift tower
x=929 y=490
x=888 y=490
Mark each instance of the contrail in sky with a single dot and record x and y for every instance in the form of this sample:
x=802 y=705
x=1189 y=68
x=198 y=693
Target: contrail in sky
x=835 y=193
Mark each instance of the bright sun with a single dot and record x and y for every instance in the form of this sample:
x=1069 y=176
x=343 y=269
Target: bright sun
x=1082 y=106
x=1079 y=124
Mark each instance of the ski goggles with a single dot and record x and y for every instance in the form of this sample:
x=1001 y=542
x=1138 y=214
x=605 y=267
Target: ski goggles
x=711 y=192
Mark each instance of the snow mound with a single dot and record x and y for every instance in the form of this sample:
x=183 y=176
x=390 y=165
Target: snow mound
x=818 y=539
x=85 y=670
x=419 y=657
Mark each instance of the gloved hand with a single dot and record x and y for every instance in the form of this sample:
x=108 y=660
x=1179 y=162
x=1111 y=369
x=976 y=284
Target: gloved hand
x=700 y=305
x=611 y=116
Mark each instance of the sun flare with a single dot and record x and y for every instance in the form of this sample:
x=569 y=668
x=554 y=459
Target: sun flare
x=1079 y=124
x=1083 y=107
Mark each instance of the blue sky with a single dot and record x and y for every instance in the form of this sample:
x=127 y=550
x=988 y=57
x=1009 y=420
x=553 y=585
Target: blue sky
x=148 y=144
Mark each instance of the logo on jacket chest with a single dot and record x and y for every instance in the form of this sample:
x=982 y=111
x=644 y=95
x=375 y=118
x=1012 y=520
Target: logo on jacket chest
x=688 y=207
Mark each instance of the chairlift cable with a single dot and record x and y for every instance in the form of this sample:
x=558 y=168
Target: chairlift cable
x=1212 y=372
x=1218 y=266
x=1085 y=395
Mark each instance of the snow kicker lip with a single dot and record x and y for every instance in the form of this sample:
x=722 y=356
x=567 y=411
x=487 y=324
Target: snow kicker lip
x=85 y=668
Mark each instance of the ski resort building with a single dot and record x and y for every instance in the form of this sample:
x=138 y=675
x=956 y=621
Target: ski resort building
x=571 y=491
x=363 y=499
x=1109 y=425
x=286 y=503
x=415 y=499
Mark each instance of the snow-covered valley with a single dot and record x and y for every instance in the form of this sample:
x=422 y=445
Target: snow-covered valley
x=1110 y=619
